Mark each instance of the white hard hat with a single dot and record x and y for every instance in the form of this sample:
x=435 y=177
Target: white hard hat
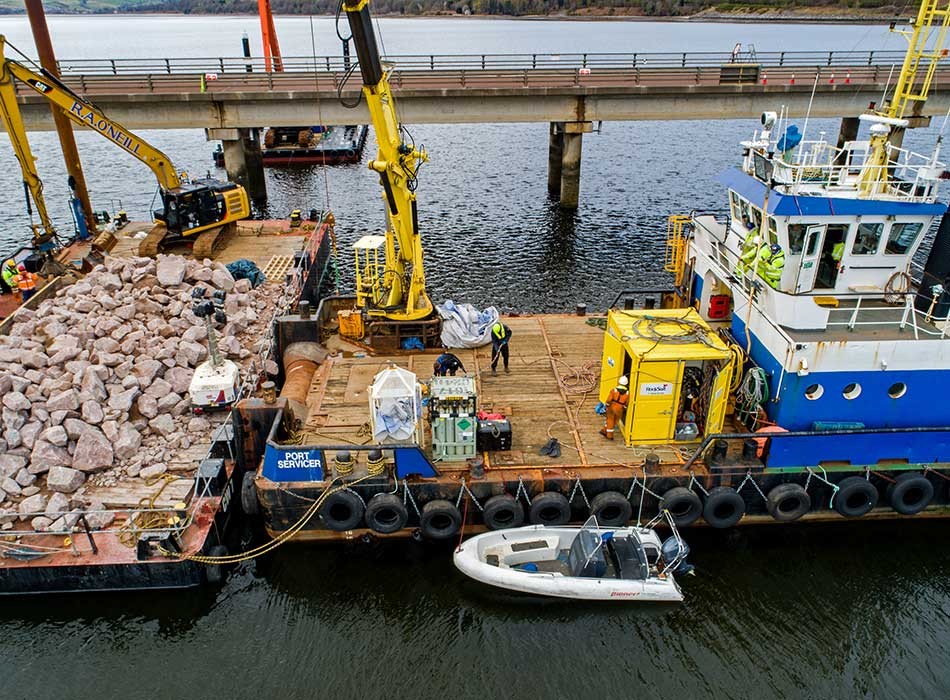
x=623 y=381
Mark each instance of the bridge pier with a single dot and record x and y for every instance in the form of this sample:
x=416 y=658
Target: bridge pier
x=848 y=131
x=555 y=153
x=242 y=159
x=569 y=141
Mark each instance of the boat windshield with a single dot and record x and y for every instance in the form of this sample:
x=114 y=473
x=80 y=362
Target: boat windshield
x=586 y=557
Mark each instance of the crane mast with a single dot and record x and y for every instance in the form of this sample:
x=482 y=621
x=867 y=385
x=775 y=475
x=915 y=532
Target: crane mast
x=399 y=292
x=925 y=48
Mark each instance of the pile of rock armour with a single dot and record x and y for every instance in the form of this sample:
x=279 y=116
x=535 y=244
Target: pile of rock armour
x=94 y=382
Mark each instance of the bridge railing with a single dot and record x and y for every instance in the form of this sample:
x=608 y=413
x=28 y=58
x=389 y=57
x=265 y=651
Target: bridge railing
x=436 y=62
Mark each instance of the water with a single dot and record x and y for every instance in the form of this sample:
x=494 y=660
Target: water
x=843 y=611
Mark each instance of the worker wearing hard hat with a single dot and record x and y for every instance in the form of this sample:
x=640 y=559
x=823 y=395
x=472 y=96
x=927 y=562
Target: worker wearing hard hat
x=26 y=281
x=500 y=335
x=617 y=402
x=9 y=276
x=749 y=250
x=771 y=264
x=447 y=363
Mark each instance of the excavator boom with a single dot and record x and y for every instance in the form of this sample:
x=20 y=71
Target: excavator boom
x=188 y=208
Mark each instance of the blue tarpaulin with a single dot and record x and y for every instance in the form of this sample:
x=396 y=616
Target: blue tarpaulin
x=246 y=269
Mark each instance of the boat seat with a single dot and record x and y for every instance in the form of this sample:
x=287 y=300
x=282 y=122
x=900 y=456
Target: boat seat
x=587 y=557
x=628 y=558
x=525 y=546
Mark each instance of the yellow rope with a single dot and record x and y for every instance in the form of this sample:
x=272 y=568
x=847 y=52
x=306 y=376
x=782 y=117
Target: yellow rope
x=283 y=537
x=137 y=522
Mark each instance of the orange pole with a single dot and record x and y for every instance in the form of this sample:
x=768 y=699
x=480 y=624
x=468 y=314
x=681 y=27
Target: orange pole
x=272 y=58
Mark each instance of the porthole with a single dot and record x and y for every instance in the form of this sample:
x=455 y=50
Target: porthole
x=814 y=392
x=897 y=390
x=851 y=391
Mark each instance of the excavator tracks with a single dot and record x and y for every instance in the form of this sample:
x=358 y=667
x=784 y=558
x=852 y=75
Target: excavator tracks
x=210 y=241
x=205 y=245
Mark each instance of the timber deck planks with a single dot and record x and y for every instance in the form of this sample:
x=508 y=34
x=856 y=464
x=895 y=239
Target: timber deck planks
x=542 y=347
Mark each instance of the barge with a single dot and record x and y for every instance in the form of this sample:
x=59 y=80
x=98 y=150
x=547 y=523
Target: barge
x=787 y=373
x=309 y=145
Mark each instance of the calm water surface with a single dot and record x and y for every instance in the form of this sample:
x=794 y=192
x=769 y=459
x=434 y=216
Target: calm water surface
x=844 y=611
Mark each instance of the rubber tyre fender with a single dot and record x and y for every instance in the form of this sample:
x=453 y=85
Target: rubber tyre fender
x=440 y=520
x=724 y=507
x=856 y=496
x=611 y=508
x=249 y=502
x=549 y=508
x=910 y=484
x=683 y=504
x=786 y=503
x=214 y=573
x=502 y=511
x=342 y=511
x=386 y=514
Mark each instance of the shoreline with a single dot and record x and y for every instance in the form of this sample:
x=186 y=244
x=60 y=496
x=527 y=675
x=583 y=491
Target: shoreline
x=707 y=17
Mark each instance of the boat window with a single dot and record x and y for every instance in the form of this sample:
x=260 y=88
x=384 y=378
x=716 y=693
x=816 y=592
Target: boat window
x=814 y=392
x=773 y=230
x=867 y=239
x=812 y=245
x=902 y=238
x=736 y=205
x=851 y=391
x=796 y=239
x=897 y=390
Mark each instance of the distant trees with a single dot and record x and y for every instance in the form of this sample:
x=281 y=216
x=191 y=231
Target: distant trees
x=656 y=8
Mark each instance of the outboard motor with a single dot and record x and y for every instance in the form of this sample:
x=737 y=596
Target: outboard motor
x=673 y=549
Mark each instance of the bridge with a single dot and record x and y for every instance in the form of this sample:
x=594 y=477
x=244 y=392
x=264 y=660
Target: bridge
x=230 y=97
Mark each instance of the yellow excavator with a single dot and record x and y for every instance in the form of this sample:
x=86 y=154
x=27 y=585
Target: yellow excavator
x=398 y=292
x=189 y=207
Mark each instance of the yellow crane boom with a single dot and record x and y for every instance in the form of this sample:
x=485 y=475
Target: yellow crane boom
x=399 y=293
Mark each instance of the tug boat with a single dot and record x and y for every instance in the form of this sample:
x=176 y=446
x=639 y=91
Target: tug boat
x=586 y=563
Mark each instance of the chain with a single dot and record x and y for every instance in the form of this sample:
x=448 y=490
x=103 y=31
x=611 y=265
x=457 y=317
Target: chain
x=471 y=495
x=834 y=487
x=579 y=487
x=748 y=477
x=694 y=480
x=407 y=498
x=521 y=489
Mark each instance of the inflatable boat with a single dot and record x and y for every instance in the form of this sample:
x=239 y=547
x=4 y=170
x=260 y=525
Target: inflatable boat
x=586 y=563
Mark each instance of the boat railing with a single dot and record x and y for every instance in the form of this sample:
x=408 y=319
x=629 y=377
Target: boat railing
x=899 y=312
x=820 y=167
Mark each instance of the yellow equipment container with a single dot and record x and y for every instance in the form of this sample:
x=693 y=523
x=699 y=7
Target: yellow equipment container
x=351 y=324
x=676 y=366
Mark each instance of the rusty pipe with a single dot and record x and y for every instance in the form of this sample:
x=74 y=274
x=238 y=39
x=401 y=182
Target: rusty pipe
x=300 y=363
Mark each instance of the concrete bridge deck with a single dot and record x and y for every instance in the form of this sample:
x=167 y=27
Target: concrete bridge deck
x=232 y=92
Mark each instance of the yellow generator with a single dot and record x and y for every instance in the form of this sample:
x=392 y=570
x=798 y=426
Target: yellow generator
x=678 y=371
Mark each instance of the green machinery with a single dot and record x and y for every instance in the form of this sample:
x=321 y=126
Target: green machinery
x=452 y=415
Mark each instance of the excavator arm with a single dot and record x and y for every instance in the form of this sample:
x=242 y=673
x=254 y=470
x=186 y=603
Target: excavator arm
x=401 y=289
x=13 y=123
x=188 y=208
x=84 y=114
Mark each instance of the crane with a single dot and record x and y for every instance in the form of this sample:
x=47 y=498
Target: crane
x=399 y=292
x=188 y=207
x=912 y=88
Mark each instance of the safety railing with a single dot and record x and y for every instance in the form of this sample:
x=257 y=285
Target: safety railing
x=533 y=61
x=818 y=167
x=866 y=312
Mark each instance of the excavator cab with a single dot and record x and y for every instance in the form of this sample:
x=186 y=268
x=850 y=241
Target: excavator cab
x=201 y=204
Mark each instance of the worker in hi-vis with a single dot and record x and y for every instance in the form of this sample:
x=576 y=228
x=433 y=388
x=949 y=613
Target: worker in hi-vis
x=617 y=401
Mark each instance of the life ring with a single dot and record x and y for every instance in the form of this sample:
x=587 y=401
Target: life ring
x=249 y=495
x=386 y=513
x=724 y=507
x=549 y=508
x=682 y=504
x=788 y=502
x=856 y=496
x=214 y=573
x=502 y=511
x=440 y=520
x=611 y=508
x=343 y=510
x=910 y=493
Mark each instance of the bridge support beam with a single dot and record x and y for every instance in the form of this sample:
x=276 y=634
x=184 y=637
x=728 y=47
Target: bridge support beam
x=555 y=153
x=242 y=159
x=571 y=162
